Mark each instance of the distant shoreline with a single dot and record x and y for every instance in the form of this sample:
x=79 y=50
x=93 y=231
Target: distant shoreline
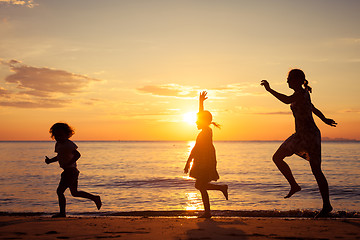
x=340 y=140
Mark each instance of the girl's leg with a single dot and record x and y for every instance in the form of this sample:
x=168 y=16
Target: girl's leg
x=201 y=186
x=222 y=188
x=323 y=187
x=284 y=168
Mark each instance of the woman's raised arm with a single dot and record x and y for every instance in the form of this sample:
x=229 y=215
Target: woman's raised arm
x=282 y=97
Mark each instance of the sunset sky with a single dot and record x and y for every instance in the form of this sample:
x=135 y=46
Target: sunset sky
x=131 y=70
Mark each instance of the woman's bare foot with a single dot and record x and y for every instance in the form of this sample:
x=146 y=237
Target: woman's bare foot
x=59 y=215
x=293 y=190
x=224 y=190
x=98 y=202
x=324 y=212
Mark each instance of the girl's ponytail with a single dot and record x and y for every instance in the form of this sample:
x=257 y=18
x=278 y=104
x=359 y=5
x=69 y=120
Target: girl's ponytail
x=216 y=124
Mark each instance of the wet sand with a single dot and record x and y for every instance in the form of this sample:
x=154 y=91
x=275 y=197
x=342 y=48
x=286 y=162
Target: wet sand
x=38 y=227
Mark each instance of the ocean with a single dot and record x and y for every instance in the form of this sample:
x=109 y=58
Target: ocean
x=148 y=176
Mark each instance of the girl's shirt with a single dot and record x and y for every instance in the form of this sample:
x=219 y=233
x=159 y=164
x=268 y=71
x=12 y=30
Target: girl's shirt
x=64 y=152
x=204 y=150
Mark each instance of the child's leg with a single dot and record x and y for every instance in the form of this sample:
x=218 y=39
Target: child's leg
x=62 y=200
x=75 y=193
x=222 y=188
x=201 y=186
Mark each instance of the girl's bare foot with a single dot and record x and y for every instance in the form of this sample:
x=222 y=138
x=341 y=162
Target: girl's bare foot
x=205 y=215
x=293 y=190
x=225 y=191
x=324 y=212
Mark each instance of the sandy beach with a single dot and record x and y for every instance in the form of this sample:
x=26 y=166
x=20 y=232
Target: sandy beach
x=38 y=227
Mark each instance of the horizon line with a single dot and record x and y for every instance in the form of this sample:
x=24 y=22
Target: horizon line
x=325 y=139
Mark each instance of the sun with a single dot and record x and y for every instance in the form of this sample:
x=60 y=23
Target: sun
x=190 y=117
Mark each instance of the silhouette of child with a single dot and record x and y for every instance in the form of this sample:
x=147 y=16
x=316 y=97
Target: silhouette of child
x=204 y=158
x=306 y=141
x=67 y=155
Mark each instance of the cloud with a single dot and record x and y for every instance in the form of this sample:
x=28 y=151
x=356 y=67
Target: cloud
x=170 y=90
x=179 y=91
x=274 y=113
x=349 y=41
x=43 y=103
x=350 y=111
x=240 y=89
x=40 y=85
x=44 y=81
x=4 y=92
x=25 y=3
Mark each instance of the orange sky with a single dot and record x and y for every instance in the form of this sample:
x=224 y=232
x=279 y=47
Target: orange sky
x=130 y=70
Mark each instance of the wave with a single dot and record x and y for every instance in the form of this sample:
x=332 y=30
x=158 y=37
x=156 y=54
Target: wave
x=337 y=191
x=193 y=213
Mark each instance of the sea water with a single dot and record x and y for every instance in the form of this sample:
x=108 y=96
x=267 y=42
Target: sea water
x=148 y=176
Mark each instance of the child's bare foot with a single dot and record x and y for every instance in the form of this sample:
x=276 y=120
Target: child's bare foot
x=324 y=212
x=292 y=191
x=98 y=202
x=59 y=215
x=205 y=215
x=225 y=191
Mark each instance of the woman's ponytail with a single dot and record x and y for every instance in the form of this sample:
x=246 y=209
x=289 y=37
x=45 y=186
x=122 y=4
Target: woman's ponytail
x=307 y=87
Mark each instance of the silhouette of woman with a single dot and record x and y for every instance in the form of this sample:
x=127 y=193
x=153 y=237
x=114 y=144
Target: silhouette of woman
x=306 y=141
x=204 y=158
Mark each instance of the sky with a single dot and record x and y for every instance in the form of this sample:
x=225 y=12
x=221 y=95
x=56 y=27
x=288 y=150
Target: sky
x=132 y=70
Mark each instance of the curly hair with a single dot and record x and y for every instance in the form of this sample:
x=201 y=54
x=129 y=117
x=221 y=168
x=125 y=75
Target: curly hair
x=69 y=131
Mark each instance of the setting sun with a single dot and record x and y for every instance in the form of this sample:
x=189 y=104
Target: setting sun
x=190 y=117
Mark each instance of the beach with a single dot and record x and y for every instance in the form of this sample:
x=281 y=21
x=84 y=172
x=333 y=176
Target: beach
x=152 y=199
x=39 y=227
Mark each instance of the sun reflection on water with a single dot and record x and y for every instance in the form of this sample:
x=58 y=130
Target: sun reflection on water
x=194 y=201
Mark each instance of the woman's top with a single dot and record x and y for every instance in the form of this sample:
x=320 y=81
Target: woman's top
x=302 y=110
x=306 y=141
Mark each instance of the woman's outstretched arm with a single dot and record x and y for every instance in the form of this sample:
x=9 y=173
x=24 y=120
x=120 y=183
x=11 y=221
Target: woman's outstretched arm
x=318 y=113
x=202 y=98
x=282 y=97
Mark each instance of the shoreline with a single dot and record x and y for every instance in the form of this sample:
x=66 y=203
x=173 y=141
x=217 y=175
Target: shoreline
x=194 y=213
x=179 y=228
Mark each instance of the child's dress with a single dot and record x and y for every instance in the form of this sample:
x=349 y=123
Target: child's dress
x=204 y=165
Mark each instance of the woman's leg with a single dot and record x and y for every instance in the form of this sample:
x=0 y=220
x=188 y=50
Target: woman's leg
x=284 y=168
x=323 y=186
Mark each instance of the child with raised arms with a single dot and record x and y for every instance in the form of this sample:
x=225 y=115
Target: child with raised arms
x=203 y=156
